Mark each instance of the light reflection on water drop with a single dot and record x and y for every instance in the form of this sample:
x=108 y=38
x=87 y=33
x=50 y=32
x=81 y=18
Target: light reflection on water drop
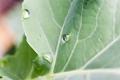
x=48 y=57
x=26 y=14
x=65 y=38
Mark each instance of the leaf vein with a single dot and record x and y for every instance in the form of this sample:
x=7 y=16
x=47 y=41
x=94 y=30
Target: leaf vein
x=74 y=47
x=59 y=40
x=53 y=18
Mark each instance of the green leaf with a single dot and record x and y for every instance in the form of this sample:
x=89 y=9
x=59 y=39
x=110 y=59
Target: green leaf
x=107 y=57
x=19 y=66
x=51 y=21
x=96 y=66
x=87 y=75
x=41 y=67
x=74 y=33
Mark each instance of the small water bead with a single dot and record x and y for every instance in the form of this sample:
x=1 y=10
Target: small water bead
x=48 y=57
x=26 y=14
x=65 y=38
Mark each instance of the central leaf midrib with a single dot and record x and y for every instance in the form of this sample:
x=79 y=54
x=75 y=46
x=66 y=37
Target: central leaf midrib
x=77 y=39
x=59 y=39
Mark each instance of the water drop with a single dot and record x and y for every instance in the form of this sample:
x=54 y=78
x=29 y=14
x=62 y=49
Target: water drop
x=26 y=14
x=65 y=38
x=48 y=57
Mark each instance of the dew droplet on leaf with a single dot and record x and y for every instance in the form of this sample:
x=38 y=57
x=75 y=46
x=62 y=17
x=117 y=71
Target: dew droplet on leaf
x=48 y=57
x=26 y=14
x=65 y=38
